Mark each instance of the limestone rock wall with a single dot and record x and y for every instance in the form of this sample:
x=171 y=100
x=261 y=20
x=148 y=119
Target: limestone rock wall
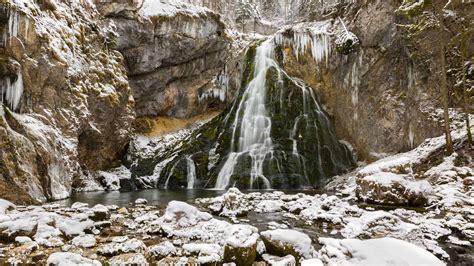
x=67 y=106
x=178 y=59
x=383 y=94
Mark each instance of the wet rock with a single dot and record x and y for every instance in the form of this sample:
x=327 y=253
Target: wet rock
x=393 y=189
x=129 y=259
x=283 y=242
x=69 y=258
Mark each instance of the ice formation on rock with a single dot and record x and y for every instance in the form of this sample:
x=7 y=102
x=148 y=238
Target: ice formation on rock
x=13 y=91
x=303 y=38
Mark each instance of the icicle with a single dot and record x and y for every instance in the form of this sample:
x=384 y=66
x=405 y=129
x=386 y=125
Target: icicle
x=411 y=136
x=315 y=39
x=12 y=91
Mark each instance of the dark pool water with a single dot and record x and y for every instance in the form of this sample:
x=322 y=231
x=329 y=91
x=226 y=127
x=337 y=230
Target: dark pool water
x=157 y=197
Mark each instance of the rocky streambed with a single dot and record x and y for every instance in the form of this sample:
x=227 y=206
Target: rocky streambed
x=266 y=228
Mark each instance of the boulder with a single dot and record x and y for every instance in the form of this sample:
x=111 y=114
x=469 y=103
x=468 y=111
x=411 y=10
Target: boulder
x=241 y=245
x=275 y=260
x=84 y=241
x=393 y=189
x=11 y=229
x=184 y=214
x=283 y=242
x=100 y=213
x=115 y=248
x=161 y=250
x=128 y=259
x=69 y=258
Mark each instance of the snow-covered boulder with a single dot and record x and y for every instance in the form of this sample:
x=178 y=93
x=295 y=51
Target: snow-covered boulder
x=24 y=226
x=70 y=259
x=84 y=241
x=275 y=260
x=232 y=204
x=205 y=253
x=376 y=224
x=241 y=245
x=269 y=206
x=79 y=206
x=184 y=214
x=162 y=250
x=393 y=189
x=381 y=251
x=312 y=262
x=128 y=259
x=100 y=213
x=73 y=226
x=5 y=205
x=115 y=248
x=141 y=201
x=282 y=242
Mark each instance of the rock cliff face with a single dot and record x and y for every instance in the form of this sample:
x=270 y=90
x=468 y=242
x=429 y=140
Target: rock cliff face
x=67 y=106
x=381 y=82
x=175 y=56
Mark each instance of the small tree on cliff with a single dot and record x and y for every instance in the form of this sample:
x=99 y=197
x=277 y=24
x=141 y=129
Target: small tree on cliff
x=462 y=40
x=433 y=21
x=438 y=11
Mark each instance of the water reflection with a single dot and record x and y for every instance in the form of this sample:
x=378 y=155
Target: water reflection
x=157 y=197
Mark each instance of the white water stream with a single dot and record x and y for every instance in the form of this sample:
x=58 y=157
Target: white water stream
x=255 y=125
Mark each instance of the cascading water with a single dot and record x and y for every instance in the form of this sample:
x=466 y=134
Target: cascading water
x=255 y=125
x=191 y=169
x=275 y=134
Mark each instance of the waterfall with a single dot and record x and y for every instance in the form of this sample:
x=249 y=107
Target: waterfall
x=255 y=125
x=274 y=135
x=191 y=169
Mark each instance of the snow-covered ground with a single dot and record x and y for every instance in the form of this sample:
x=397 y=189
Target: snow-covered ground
x=312 y=230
